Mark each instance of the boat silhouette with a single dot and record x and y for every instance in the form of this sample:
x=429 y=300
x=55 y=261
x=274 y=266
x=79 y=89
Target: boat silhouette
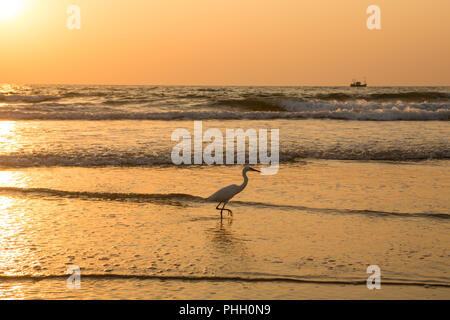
x=358 y=84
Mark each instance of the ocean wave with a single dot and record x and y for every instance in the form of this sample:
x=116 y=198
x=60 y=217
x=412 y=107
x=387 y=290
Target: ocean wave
x=315 y=105
x=170 y=198
x=281 y=278
x=86 y=159
x=365 y=111
x=367 y=154
x=127 y=101
x=162 y=157
x=228 y=103
x=27 y=98
x=393 y=113
x=253 y=104
x=373 y=213
x=410 y=96
x=180 y=198
x=103 y=91
x=75 y=94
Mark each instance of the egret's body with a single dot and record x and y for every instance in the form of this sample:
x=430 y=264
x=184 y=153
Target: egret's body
x=225 y=194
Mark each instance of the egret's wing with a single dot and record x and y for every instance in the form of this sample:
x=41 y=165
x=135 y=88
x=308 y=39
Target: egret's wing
x=225 y=193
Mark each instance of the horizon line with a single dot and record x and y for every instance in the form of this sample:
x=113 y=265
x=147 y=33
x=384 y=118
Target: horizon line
x=207 y=85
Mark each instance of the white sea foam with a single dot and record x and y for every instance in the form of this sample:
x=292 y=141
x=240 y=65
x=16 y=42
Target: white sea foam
x=356 y=114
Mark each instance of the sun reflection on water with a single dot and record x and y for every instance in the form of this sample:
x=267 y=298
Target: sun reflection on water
x=13 y=179
x=10 y=226
x=7 y=136
x=12 y=251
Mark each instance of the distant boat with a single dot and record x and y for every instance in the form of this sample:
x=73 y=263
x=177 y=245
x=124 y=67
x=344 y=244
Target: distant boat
x=358 y=84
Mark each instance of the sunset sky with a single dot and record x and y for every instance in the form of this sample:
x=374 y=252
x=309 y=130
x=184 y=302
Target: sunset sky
x=232 y=42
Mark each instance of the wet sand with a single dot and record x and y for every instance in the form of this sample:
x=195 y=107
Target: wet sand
x=148 y=233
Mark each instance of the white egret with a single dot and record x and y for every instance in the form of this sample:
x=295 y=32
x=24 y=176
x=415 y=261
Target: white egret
x=225 y=194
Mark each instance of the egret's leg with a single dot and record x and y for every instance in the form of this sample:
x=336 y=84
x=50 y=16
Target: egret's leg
x=221 y=209
x=229 y=211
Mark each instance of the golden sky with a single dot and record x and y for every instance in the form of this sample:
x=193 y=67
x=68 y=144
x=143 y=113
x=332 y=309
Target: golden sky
x=226 y=42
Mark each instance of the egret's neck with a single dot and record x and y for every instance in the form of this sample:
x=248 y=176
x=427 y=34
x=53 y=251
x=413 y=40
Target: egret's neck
x=244 y=184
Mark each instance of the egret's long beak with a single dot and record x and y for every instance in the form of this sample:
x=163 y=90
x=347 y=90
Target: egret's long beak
x=254 y=170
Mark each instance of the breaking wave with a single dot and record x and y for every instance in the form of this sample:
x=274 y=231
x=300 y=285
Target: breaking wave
x=162 y=157
x=393 y=113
